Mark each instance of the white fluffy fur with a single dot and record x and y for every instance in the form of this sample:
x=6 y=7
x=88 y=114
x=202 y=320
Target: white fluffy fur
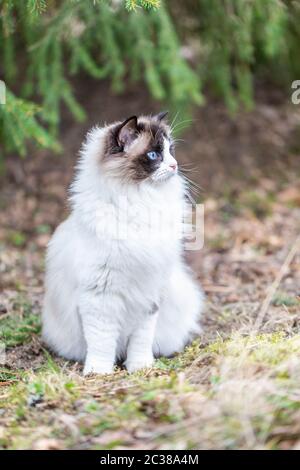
x=102 y=293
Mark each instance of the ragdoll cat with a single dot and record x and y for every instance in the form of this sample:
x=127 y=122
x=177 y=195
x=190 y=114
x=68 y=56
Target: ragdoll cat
x=121 y=297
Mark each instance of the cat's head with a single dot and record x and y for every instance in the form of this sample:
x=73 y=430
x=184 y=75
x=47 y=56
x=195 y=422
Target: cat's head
x=139 y=149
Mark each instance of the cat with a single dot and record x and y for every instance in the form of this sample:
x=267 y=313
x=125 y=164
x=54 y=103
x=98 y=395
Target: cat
x=111 y=298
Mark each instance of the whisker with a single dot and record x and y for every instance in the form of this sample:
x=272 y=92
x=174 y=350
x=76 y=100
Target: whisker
x=194 y=187
x=174 y=119
x=191 y=190
x=189 y=170
x=183 y=124
x=187 y=163
x=184 y=121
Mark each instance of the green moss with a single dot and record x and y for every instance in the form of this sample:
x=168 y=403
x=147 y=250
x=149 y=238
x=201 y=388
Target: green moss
x=8 y=375
x=264 y=349
x=261 y=205
x=281 y=298
x=17 y=328
x=219 y=242
x=16 y=238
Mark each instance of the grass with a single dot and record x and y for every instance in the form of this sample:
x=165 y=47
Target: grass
x=281 y=298
x=18 y=329
x=236 y=393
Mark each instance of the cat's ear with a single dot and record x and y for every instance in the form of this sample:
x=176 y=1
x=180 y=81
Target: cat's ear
x=160 y=116
x=127 y=131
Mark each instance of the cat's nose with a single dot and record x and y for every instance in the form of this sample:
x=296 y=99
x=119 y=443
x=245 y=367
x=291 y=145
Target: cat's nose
x=173 y=166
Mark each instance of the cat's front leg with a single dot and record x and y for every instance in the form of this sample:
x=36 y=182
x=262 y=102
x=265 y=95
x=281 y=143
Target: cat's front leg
x=140 y=345
x=101 y=331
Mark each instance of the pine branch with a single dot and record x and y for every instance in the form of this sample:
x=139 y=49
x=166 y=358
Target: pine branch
x=174 y=48
x=36 y=7
x=19 y=124
x=132 y=5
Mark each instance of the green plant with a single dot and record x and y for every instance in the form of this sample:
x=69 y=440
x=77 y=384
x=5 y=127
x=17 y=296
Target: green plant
x=175 y=47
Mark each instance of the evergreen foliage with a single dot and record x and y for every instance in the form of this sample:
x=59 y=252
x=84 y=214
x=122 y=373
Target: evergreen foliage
x=175 y=47
x=19 y=122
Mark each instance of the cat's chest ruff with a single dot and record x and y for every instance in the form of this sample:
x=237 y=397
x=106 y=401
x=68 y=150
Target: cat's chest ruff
x=141 y=256
x=146 y=224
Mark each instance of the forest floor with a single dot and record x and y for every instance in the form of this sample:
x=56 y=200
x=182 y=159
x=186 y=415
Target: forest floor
x=237 y=386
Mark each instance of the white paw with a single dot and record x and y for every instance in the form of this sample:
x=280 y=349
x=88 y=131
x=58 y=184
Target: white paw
x=134 y=365
x=95 y=366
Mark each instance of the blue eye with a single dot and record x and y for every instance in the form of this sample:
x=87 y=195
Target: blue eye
x=152 y=155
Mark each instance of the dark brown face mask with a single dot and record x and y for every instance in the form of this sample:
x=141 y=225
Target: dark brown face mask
x=138 y=145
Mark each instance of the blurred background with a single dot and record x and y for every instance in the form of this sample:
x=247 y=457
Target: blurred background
x=227 y=72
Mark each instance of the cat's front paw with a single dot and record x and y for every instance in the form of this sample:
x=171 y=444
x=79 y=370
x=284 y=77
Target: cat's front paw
x=135 y=365
x=94 y=366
